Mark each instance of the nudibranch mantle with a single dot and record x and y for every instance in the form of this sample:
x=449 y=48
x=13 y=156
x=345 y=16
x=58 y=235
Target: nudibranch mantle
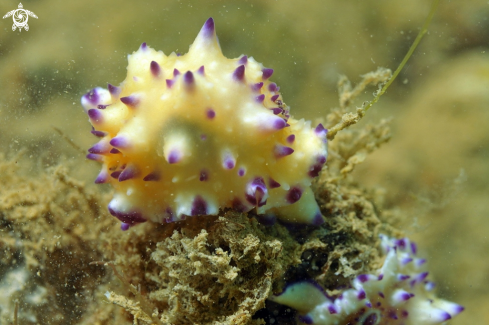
x=399 y=294
x=186 y=135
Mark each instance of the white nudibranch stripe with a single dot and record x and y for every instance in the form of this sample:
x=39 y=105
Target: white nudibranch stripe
x=398 y=294
x=195 y=133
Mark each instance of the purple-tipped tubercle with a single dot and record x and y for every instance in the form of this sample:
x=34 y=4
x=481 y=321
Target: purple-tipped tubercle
x=406 y=260
x=318 y=219
x=243 y=60
x=99 y=134
x=293 y=195
x=257 y=192
x=315 y=170
x=321 y=159
x=276 y=110
x=441 y=316
x=95 y=157
x=131 y=101
x=100 y=147
x=199 y=206
x=92 y=96
x=402 y=296
x=152 y=177
x=155 y=69
x=129 y=172
x=361 y=294
x=332 y=309
x=419 y=261
x=209 y=28
x=272 y=86
x=120 y=142
x=281 y=151
x=363 y=278
x=201 y=70
x=320 y=130
x=273 y=183
x=421 y=277
x=290 y=139
x=102 y=177
x=210 y=113
x=116 y=174
x=169 y=83
x=95 y=115
x=188 y=78
x=228 y=162
x=414 y=248
x=257 y=86
x=130 y=217
x=267 y=73
x=175 y=156
x=260 y=98
x=400 y=243
x=114 y=91
x=306 y=319
x=239 y=73
x=273 y=123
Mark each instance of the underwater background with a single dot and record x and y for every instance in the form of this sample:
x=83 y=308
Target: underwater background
x=435 y=168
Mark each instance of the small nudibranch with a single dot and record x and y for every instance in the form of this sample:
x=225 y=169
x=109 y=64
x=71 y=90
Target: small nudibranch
x=187 y=135
x=398 y=294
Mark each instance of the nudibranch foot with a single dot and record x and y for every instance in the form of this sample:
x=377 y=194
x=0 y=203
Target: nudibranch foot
x=187 y=135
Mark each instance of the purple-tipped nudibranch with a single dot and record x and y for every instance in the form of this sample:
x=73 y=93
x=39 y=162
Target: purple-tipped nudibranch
x=398 y=294
x=188 y=135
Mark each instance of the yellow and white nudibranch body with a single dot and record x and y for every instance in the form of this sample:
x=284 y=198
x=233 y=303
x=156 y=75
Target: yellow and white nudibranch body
x=188 y=135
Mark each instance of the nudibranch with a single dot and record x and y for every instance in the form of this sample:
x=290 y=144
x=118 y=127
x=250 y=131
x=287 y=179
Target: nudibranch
x=186 y=135
x=399 y=294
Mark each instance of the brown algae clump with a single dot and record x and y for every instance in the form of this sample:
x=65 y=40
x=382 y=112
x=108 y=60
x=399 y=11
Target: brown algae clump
x=50 y=226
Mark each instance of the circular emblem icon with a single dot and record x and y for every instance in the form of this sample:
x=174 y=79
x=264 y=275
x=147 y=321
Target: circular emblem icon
x=20 y=17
